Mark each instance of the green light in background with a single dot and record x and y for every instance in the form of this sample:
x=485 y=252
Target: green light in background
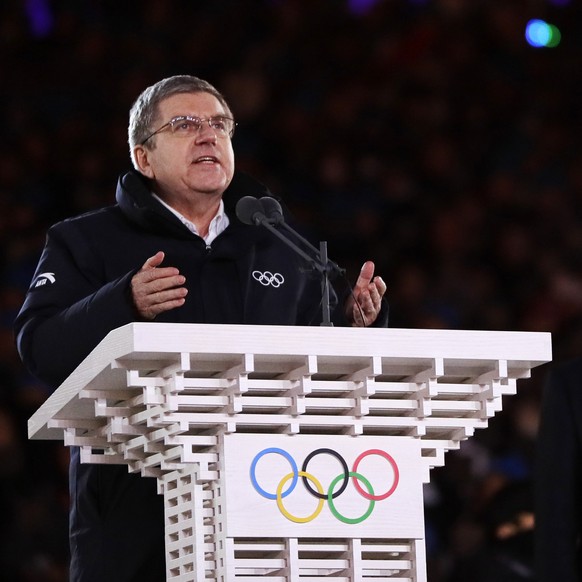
x=539 y=33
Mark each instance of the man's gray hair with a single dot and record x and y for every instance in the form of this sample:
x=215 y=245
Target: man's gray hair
x=144 y=111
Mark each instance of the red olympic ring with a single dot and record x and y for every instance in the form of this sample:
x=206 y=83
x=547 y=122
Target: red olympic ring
x=394 y=468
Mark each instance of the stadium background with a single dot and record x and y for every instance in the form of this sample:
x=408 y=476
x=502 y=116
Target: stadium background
x=427 y=135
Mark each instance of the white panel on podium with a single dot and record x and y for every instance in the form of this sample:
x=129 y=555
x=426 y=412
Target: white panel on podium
x=286 y=453
x=319 y=486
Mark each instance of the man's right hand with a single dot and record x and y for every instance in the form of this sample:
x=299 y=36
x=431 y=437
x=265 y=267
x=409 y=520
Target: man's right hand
x=156 y=289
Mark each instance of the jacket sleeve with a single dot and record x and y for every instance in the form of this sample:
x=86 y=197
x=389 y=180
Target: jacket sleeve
x=70 y=306
x=558 y=484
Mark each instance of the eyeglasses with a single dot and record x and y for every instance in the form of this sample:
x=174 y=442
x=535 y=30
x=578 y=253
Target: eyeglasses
x=187 y=126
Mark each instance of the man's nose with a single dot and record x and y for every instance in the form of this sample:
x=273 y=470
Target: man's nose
x=206 y=133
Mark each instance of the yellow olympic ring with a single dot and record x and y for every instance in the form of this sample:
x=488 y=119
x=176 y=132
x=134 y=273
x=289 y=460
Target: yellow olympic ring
x=280 y=500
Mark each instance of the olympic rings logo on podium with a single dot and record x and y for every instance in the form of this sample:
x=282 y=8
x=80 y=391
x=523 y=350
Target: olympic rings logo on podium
x=314 y=487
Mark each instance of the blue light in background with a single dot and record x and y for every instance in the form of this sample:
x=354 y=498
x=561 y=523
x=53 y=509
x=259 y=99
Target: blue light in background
x=539 y=33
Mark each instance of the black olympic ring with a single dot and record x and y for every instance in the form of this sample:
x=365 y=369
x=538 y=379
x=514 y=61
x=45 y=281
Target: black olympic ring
x=344 y=467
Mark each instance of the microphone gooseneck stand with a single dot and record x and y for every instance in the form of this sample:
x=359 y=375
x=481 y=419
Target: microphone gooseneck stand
x=267 y=212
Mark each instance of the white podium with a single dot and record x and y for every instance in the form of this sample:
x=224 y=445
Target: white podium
x=287 y=454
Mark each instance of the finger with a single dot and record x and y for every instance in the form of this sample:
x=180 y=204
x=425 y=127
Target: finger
x=380 y=285
x=377 y=289
x=160 y=276
x=154 y=261
x=163 y=297
x=153 y=304
x=149 y=269
x=366 y=274
x=364 y=299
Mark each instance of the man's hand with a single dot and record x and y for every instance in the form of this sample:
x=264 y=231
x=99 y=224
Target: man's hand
x=363 y=306
x=155 y=290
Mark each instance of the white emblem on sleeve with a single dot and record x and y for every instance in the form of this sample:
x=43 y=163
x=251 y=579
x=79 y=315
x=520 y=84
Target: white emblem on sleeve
x=45 y=278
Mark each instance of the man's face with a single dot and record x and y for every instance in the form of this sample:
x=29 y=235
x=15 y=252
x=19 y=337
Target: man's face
x=185 y=166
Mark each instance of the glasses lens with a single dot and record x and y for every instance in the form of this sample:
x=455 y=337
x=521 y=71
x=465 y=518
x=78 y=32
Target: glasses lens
x=222 y=125
x=185 y=125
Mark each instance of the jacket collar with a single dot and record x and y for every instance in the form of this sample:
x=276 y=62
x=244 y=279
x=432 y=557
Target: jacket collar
x=135 y=200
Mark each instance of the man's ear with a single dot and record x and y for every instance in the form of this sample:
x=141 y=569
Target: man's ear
x=142 y=161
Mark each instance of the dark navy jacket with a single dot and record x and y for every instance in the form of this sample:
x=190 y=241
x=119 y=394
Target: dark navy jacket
x=80 y=292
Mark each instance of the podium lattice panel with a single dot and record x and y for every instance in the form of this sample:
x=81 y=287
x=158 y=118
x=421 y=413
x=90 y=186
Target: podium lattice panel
x=158 y=419
x=319 y=561
x=188 y=515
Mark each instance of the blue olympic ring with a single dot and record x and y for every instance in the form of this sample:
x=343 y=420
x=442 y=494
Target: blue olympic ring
x=293 y=467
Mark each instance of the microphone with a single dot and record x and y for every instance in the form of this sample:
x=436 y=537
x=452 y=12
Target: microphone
x=272 y=209
x=268 y=212
x=250 y=211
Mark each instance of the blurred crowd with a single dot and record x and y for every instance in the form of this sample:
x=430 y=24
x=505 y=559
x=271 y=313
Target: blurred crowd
x=426 y=135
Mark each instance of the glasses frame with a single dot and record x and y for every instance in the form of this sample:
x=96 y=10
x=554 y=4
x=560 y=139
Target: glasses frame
x=199 y=121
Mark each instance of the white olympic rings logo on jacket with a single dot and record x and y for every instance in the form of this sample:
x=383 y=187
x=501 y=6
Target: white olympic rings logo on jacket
x=267 y=278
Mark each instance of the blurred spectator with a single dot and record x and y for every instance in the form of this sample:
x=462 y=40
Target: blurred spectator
x=502 y=550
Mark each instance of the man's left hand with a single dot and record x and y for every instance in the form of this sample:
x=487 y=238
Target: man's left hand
x=364 y=304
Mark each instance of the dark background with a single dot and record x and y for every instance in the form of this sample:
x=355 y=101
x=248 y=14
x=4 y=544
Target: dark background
x=426 y=135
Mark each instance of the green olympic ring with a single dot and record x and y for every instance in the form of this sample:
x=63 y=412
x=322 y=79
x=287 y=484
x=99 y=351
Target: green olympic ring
x=336 y=513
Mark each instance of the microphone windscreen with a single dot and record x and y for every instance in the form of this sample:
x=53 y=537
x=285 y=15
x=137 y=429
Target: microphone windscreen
x=272 y=209
x=247 y=209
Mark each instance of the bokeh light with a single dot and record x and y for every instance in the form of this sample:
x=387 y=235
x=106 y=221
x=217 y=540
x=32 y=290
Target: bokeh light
x=40 y=17
x=361 y=7
x=539 y=33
